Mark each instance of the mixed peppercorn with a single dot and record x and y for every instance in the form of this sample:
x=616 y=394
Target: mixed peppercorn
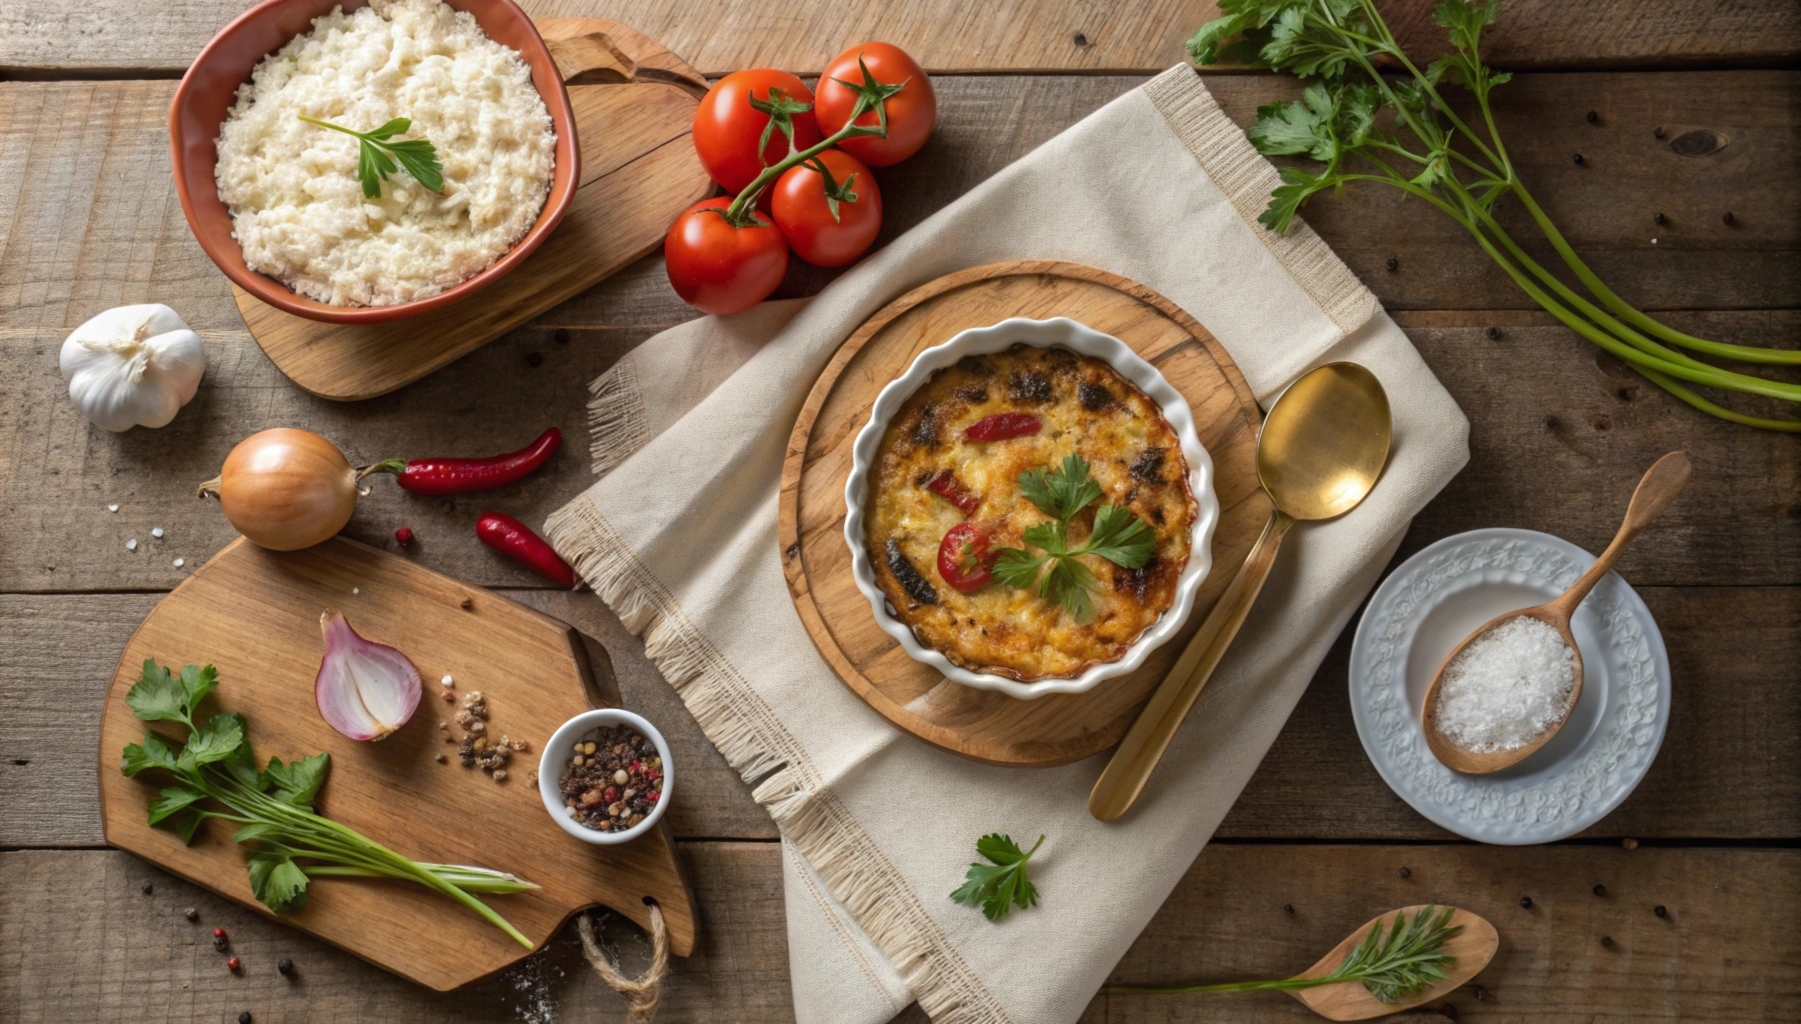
x=614 y=778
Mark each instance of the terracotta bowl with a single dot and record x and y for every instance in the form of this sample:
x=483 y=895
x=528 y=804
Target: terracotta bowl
x=207 y=92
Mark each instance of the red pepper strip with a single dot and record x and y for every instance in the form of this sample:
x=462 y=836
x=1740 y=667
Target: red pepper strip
x=1003 y=425
x=460 y=476
x=963 y=558
x=516 y=540
x=945 y=486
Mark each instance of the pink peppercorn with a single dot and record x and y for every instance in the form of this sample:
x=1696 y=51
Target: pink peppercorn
x=404 y=535
x=232 y=964
x=218 y=933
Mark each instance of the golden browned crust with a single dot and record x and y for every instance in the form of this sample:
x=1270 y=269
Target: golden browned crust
x=1087 y=409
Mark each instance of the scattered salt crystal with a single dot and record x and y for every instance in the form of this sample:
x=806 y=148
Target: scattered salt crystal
x=1508 y=686
x=356 y=590
x=112 y=508
x=157 y=532
x=447 y=681
x=179 y=562
x=132 y=544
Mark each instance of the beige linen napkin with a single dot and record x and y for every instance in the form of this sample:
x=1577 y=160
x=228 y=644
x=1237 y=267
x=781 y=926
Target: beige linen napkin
x=679 y=537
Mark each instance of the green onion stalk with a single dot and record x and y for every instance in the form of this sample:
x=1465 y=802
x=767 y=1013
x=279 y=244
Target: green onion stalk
x=1347 y=55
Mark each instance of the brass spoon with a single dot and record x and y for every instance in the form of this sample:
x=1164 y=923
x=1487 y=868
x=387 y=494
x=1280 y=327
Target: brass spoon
x=1473 y=947
x=1319 y=453
x=1660 y=485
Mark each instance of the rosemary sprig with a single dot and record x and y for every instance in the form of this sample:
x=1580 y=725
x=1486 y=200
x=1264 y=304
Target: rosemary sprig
x=1393 y=967
x=377 y=156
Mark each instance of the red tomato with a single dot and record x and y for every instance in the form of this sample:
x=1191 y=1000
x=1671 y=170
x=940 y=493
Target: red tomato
x=911 y=112
x=963 y=558
x=718 y=268
x=1003 y=425
x=727 y=127
x=945 y=486
x=805 y=217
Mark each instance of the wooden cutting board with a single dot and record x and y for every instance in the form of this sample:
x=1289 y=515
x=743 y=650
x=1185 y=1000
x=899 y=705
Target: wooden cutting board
x=634 y=109
x=979 y=724
x=255 y=615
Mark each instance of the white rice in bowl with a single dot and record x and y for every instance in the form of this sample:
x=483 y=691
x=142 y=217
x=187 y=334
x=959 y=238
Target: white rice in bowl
x=297 y=205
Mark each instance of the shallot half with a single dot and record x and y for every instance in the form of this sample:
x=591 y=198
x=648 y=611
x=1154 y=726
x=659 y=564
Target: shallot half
x=365 y=690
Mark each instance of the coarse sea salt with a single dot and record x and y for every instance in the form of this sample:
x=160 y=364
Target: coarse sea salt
x=1509 y=685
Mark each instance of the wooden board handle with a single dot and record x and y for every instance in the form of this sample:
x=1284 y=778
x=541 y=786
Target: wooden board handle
x=595 y=51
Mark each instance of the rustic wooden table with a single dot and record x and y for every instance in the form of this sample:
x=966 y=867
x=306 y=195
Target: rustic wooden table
x=1317 y=842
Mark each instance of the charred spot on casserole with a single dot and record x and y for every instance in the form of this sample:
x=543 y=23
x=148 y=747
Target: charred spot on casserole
x=1086 y=408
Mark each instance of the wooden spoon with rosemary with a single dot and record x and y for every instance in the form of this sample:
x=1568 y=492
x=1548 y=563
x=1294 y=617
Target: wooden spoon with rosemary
x=1376 y=970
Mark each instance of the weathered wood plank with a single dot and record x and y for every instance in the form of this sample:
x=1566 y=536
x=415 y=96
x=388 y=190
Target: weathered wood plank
x=1006 y=35
x=1730 y=766
x=95 y=225
x=82 y=942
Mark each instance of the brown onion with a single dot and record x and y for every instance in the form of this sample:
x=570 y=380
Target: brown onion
x=285 y=489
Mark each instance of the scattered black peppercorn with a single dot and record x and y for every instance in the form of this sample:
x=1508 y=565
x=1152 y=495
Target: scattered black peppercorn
x=1727 y=219
x=1081 y=39
x=1405 y=873
x=244 y=1018
x=1493 y=333
x=561 y=336
x=1659 y=911
x=1288 y=908
x=1657 y=133
x=284 y=965
x=534 y=359
x=1526 y=902
x=1606 y=941
x=1657 y=218
x=219 y=942
x=191 y=914
x=1481 y=993
x=1600 y=890
x=1593 y=117
x=149 y=888
x=1578 y=159
x=1393 y=264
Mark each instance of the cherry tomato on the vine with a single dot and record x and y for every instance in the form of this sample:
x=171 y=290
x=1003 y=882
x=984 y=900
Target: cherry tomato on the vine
x=718 y=268
x=963 y=558
x=727 y=127
x=803 y=210
x=911 y=112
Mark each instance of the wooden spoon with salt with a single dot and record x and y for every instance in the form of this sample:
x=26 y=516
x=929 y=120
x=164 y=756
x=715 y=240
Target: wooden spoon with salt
x=1660 y=485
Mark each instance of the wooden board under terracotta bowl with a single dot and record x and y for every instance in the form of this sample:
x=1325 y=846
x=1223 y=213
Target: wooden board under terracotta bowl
x=255 y=615
x=634 y=110
x=979 y=724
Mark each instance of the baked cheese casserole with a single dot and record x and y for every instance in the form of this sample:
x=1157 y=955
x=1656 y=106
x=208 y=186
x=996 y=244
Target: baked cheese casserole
x=1029 y=513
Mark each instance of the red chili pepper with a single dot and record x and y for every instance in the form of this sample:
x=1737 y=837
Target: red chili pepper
x=963 y=558
x=514 y=539
x=460 y=476
x=945 y=486
x=1003 y=425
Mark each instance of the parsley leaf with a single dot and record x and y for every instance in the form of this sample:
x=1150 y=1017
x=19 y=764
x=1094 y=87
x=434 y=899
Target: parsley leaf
x=377 y=156
x=1118 y=536
x=278 y=882
x=160 y=695
x=1000 y=886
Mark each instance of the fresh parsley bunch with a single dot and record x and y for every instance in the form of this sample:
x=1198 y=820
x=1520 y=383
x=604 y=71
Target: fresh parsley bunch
x=1118 y=536
x=216 y=776
x=1003 y=884
x=378 y=156
x=1365 y=125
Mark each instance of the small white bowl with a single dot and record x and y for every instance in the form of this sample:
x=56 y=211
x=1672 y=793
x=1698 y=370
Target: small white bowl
x=1058 y=332
x=561 y=747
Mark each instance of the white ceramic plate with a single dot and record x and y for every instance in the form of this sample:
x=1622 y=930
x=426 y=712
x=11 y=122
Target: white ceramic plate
x=1076 y=337
x=1438 y=597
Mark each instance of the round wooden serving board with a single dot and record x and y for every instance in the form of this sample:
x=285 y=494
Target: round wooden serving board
x=634 y=107
x=978 y=724
x=255 y=615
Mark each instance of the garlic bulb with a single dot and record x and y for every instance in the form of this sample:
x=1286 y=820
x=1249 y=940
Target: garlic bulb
x=133 y=366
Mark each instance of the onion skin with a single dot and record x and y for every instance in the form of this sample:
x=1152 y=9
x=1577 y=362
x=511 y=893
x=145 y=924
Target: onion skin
x=286 y=489
x=365 y=690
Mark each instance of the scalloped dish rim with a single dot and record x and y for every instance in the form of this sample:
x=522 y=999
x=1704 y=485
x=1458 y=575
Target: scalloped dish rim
x=1084 y=340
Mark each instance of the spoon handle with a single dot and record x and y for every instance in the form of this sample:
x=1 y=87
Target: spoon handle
x=1132 y=763
x=1661 y=483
